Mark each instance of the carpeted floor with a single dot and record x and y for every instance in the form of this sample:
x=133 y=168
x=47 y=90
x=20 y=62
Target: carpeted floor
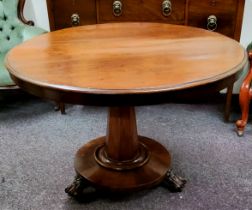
x=37 y=147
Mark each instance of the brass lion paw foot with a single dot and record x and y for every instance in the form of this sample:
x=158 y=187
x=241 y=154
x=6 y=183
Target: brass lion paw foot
x=173 y=182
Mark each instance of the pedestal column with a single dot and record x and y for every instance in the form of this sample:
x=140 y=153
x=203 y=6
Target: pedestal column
x=122 y=161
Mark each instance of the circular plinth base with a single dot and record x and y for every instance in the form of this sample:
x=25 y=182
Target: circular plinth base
x=146 y=176
x=141 y=158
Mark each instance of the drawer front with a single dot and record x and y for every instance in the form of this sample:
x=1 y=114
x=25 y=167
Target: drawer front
x=63 y=11
x=224 y=15
x=142 y=10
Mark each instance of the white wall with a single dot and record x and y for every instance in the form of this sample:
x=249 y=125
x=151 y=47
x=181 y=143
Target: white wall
x=29 y=11
x=36 y=10
x=246 y=34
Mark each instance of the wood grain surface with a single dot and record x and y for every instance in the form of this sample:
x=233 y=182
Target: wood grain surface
x=126 y=58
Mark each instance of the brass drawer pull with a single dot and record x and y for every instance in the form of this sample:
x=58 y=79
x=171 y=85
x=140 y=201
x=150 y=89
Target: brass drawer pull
x=117 y=8
x=212 y=23
x=75 y=18
x=166 y=7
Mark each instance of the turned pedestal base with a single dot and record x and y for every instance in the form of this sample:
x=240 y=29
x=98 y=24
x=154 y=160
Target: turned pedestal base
x=122 y=161
x=141 y=176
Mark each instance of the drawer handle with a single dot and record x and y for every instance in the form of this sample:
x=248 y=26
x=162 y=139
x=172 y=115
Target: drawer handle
x=75 y=19
x=212 y=23
x=117 y=8
x=166 y=7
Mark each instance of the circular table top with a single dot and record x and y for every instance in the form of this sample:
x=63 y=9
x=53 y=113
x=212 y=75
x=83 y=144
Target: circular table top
x=125 y=58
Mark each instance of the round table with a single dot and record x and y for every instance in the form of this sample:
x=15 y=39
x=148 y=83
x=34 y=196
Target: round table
x=122 y=65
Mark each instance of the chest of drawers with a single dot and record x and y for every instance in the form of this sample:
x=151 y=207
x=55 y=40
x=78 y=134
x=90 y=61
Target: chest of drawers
x=224 y=16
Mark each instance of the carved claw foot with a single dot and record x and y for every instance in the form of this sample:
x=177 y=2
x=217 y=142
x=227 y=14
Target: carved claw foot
x=173 y=182
x=77 y=187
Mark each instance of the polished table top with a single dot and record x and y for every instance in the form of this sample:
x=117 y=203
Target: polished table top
x=122 y=58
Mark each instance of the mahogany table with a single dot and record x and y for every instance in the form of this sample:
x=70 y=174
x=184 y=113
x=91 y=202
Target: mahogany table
x=122 y=65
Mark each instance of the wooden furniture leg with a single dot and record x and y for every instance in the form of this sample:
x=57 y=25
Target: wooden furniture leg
x=60 y=106
x=244 y=99
x=228 y=102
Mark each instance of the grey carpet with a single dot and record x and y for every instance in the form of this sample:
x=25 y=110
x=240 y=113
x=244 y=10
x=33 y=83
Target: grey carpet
x=37 y=146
